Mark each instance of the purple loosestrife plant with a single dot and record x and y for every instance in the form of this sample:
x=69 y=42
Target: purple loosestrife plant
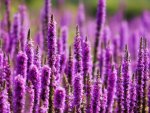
x=59 y=99
x=139 y=75
x=103 y=100
x=119 y=88
x=34 y=77
x=78 y=52
x=29 y=51
x=126 y=80
x=45 y=82
x=77 y=92
x=21 y=65
x=29 y=101
x=70 y=67
x=64 y=33
x=149 y=97
x=37 y=57
x=111 y=90
x=132 y=108
x=19 y=94
x=51 y=42
x=4 y=104
x=145 y=76
x=101 y=12
x=96 y=94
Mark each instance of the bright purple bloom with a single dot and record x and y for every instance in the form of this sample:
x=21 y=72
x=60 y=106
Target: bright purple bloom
x=34 y=77
x=19 y=94
x=52 y=42
x=21 y=65
x=77 y=92
x=59 y=99
x=111 y=90
x=45 y=82
x=126 y=80
x=29 y=100
x=78 y=52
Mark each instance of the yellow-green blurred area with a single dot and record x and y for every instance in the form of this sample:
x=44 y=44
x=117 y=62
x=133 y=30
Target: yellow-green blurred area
x=132 y=7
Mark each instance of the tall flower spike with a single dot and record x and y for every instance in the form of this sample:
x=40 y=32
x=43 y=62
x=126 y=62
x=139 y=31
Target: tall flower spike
x=59 y=99
x=52 y=42
x=88 y=94
x=37 y=57
x=139 y=74
x=77 y=92
x=96 y=95
x=19 y=94
x=7 y=71
x=126 y=80
x=44 y=96
x=21 y=65
x=29 y=98
x=145 y=76
x=29 y=51
x=111 y=90
x=78 y=52
x=101 y=12
x=45 y=20
x=133 y=95
x=64 y=32
x=103 y=100
x=4 y=104
x=119 y=90
x=34 y=77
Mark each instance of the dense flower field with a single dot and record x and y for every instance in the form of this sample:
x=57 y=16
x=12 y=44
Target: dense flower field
x=105 y=70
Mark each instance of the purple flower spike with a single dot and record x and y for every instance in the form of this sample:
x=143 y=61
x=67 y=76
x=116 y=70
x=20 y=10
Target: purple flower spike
x=126 y=80
x=21 y=65
x=59 y=99
x=29 y=102
x=101 y=12
x=77 y=92
x=4 y=104
x=78 y=52
x=19 y=94
x=37 y=57
x=29 y=51
x=52 y=42
x=145 y=76
x=44 y=96
x=96 y=95
x=103 y=101
x=139 y=74
x=149 y=97
x=34 y=77
x=64 y=32
x=111 y=90
x=119 y=90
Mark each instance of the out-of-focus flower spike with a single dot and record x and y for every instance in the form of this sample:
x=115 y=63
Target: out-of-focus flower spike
x=149 y=97
x=126 y=80
x=78 y=52
x=103 y=100
x=51 y=42
x=19 y=94
x=29 y=98
x=45 y=82
x=59 y=99
x=145 y=77
x=4 y=104
x=34 y=77
x=64 y=33
x=139 y=75
x=37 y=57
x=101 y=12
